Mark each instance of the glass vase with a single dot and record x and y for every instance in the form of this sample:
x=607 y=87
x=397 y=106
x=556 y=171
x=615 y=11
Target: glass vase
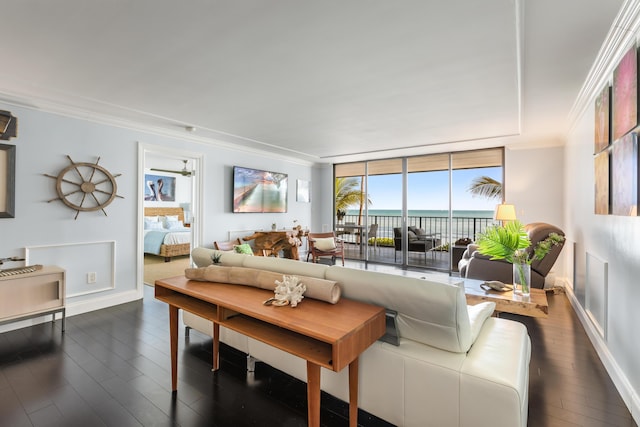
x=521 y=278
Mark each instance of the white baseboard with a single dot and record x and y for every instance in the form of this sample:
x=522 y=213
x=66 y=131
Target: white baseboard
x=620 y=380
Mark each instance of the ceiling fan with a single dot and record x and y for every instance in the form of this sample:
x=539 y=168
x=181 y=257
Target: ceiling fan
x=183 y=172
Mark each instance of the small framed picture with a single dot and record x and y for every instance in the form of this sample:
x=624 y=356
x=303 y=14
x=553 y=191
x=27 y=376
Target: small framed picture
x=7 y=180
x=302 y=193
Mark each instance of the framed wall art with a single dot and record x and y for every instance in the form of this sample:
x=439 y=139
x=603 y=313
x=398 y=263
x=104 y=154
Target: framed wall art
x=302 y=194
x=601 y=172
x=159 y=188
x=625 y=94
x=602 y=120
x=7 y=180
x=624 y=176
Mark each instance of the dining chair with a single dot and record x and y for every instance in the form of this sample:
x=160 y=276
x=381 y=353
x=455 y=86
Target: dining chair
x=325 y=245
x=372 y=234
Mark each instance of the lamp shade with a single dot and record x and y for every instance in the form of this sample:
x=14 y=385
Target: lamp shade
x=505 y=212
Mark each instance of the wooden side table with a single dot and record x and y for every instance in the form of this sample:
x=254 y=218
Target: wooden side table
x=34 y=294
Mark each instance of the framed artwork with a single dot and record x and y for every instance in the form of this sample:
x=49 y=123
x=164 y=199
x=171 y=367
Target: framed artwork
x=602 y=200
x=602 y=117
x=159 y=188
x=7 y=180
x=624 y=176
x=302 y=194
x=625 y=94
x=256 y=190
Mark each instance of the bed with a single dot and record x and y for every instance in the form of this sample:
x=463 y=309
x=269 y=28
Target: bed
x=165 y=234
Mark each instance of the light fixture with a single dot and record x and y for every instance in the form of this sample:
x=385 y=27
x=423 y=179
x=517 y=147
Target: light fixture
x=505 y=213
x=8 y=125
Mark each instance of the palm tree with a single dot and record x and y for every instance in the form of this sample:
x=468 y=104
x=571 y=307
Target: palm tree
x=348 y=193
x=485 y=186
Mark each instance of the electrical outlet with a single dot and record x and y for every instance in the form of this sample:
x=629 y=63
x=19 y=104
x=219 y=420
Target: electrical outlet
x=91 y=277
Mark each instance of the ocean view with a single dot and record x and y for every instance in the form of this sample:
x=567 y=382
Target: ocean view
x=464 y=224
x=426 y=213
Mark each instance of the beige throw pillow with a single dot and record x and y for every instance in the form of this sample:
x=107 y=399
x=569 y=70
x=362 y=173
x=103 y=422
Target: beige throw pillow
x=325 y=243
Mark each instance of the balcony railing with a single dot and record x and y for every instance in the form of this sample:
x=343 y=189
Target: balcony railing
x=460 y=226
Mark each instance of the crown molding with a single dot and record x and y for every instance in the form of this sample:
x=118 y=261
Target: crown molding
x=621 y=37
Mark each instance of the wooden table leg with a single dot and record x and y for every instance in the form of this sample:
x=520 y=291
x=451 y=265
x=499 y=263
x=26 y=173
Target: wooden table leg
x=216 y=346
x=173 y=332
x=313 y=394
x=353 y=393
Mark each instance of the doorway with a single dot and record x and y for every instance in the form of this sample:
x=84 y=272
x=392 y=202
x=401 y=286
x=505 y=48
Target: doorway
x=169 y=182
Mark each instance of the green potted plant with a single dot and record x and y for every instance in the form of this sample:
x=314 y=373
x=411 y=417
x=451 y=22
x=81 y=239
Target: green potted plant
x=509 y=242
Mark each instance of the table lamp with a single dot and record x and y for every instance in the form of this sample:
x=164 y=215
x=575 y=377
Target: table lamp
x=505 y=213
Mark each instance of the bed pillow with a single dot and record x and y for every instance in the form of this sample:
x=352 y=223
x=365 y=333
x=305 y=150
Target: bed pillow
x=167 y=218
x=324 y=243
x=244 y=248
x=153 y=225
x=173 y=225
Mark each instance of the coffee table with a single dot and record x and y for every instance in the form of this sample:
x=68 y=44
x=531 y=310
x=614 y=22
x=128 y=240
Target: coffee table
x=535 y=305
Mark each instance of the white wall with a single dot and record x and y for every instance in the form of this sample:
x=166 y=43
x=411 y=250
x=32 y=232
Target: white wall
x=534 y=185
x=44 y=139
x=614 y=240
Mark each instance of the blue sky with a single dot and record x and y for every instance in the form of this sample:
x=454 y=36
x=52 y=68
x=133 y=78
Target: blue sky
x=430 y=190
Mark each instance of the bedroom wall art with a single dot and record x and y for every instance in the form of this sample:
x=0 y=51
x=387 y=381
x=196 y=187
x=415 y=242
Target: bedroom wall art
x=624 y=175
x=159 y=188
x=625 y=94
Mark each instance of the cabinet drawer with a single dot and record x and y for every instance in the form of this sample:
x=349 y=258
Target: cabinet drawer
x=22 y=296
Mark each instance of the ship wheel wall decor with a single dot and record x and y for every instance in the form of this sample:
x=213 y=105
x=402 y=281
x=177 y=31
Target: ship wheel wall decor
x=85 y=187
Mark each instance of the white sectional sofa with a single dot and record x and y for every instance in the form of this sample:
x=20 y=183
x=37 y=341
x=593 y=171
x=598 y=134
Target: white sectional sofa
x=455 y=365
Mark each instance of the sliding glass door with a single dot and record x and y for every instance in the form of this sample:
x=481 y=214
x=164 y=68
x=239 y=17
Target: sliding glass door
x=416 y=211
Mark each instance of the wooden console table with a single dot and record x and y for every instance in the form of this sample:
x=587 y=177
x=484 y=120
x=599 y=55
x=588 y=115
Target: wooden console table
x=325 y=335
x=34 y=294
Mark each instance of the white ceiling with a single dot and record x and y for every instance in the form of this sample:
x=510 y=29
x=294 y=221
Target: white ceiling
x=323 y=81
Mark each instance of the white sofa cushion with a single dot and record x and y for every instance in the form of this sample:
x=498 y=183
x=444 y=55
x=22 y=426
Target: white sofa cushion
x=429 y=312
x=477 y=315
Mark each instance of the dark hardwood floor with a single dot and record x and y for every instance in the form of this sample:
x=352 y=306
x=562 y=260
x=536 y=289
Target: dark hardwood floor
x=111 y=368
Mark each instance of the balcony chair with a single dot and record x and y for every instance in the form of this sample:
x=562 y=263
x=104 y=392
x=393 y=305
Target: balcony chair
x=372 y=234
x=474 y=265
x=325 y=245
x=416 y=244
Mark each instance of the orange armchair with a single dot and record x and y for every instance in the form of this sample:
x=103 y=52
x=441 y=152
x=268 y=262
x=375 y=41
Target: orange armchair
x=325 y=245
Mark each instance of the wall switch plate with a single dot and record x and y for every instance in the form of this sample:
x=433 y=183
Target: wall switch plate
x=91 y=277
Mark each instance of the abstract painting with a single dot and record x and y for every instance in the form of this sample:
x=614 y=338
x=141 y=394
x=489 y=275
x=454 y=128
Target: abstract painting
x=602 y=183
x=602 y=120
x=625 y=94
x=302 y=194
x=624 y=176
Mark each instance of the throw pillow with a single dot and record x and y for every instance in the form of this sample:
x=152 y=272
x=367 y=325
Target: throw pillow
x=412 y=235
x=244 y=248
x=325 y=243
